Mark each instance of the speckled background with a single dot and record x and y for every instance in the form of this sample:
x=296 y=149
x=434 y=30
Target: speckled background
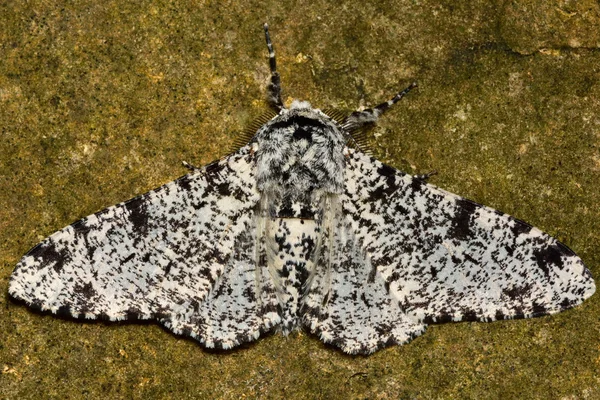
x=102 y=100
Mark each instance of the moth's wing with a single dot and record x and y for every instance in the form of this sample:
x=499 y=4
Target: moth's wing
x=418 y=254
x=346 y=302
x=183 y=254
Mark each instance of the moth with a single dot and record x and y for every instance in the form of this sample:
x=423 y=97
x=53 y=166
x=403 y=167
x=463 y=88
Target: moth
x=300 y=229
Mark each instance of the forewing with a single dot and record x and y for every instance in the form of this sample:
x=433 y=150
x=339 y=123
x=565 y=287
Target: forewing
x=445 y=258
x=183 y=254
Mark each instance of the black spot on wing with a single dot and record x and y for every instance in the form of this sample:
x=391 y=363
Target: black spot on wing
x=85 y=290
x=365 y=301
x=223 y=189
x=442 y=318
x=499 y=315
x=383 y=190
x=64 y=311
x=168 y=268
x=517 y=293
x=550 y=255
x=519 y=227
x=461 y=222
x=386 y=170
x=433 y=271
x=128 y=258
x=538 y=309
x=216 y=176
x=469 y=315
x=184 y=183
x=417 y=185
x=49 y=254
x=138 y=215
x=567 y=303
x=214 y=179
x=81 y=226
x=213 y=169
x=133 y=314
x=387 y=185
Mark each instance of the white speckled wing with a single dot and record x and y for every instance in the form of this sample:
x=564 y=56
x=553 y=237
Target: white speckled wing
x=405 y=253
x=346 y=303
x=183 y=254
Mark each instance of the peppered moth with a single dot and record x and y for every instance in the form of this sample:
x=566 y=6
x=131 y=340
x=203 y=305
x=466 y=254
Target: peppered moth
x=299 y=229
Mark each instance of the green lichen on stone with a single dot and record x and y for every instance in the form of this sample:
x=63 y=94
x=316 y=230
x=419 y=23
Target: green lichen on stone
x=100 y=101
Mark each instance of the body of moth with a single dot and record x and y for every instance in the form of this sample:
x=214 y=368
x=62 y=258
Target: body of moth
x=300 y=173
x=297 y=229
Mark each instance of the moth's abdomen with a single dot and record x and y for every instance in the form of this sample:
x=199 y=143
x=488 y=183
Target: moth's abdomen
x=290 y=243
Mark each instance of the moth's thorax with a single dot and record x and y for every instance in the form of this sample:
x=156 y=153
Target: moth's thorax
x=300 y=154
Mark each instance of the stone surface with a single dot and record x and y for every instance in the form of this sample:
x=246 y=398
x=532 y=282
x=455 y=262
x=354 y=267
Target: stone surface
x=100 y=101
x=529 y=26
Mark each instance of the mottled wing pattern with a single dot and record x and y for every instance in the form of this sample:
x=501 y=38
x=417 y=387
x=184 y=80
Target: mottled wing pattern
x=183 y=254
x=406 y=253
x=346 y=303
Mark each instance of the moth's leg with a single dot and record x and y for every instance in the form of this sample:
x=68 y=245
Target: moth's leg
x=425 y=177
x=360 y=118
x=274 y=88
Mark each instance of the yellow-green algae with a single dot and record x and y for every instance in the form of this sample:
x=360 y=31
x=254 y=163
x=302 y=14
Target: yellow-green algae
x=100 y=101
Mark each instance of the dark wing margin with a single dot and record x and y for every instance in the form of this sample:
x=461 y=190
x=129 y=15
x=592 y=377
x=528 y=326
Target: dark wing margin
x=428 y=256
x=182 y=254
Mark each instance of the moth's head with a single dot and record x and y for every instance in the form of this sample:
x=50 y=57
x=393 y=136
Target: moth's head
x=301 y=126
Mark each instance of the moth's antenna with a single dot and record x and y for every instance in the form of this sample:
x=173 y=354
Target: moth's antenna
x=360 y=118
x=274 y=88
